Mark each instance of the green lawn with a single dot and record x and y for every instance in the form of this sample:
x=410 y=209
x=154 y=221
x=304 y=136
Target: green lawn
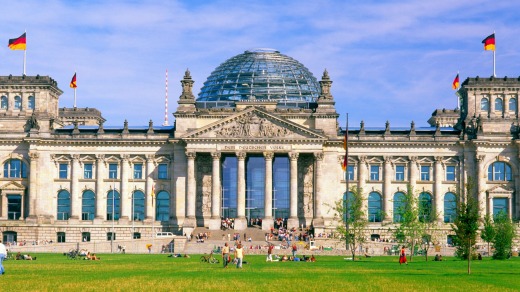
x=54 y=272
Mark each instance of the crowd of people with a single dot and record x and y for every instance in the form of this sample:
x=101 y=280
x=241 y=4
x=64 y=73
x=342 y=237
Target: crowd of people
x=227 y=223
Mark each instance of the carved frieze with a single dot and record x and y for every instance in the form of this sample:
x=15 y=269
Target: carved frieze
x=251 y=125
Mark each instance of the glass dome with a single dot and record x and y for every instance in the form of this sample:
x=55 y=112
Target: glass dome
x=260 y=74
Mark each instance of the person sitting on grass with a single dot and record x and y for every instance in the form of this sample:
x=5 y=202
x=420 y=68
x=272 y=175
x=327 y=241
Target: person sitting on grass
x=28 y=257
x=284 y=258
x=312 y=259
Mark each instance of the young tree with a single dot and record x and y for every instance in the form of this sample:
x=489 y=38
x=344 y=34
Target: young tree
x=488 y=233
x=466 y=225
x=411 y=227
x=356 y=219
x=503 y=239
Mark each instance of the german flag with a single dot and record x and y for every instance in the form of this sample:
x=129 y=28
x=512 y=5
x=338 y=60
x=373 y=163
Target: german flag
x=18 y=43
x=345 y=145
x=456 y=82
x=489 y=43
x=73 y=82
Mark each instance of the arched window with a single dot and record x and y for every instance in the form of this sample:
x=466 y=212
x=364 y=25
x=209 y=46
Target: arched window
x=17 y=102
x=138 y=206
x=347 y=203
x=499 y=171
x=374 y=207
x=399 y=205
x=30 y=102
x=450 y=207
x=162 y=209
x=63 y=205
x=425 y=207
x=499 y=105
x=484 y=104
x=512 y=104
x=88 y=205
x=15 y=168
x=3 y=102
x=113 y=205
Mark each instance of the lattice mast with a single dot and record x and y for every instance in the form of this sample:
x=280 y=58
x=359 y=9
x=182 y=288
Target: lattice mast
x=166 y=102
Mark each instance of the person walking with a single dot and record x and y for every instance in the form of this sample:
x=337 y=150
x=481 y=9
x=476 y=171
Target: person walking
x=270 y=253
x=402 y=256
x=294 y=250
x=239 y=255
x=3 y=256
x=225 y=254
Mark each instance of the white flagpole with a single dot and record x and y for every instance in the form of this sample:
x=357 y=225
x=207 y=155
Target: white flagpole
x=494 y=51
x=74 y=97
x=25 y=52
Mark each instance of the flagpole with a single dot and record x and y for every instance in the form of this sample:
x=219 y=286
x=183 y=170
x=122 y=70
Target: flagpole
x=74 y=97
x=25 y=53
x=346 y=188
x=458 y=98
x=494 y=51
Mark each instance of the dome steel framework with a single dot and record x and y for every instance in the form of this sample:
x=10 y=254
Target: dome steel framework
x=260 y=74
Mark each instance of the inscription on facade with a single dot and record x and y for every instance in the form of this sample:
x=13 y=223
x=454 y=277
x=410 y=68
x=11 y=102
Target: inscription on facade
x=254 y=147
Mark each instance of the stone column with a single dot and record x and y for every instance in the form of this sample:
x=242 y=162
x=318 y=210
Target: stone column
x=267 y=222
x=75 y=201
x=505 y=100
x=293 y=209
x=481 y=182
x=318 y=222
x=101 y=202
x=492 y=106
x=216 y=194
x=412 y=164
x=150 y=212
x=34 y=208
x=362 y=179
x=387 y=191
x=240 y=222
x=125 y=199
x=191 y=187
x=437 y=189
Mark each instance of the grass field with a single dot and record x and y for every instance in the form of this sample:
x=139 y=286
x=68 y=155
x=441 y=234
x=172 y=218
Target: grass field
x=54 y=272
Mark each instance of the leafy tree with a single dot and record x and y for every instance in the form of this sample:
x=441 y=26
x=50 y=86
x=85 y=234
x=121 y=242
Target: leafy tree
x=503 y=239
x=411 y=227
x=488 y=233
x=354 y=221
x=466 y=225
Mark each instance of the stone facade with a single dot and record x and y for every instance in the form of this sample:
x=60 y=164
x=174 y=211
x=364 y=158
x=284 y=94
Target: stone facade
x=54 y=159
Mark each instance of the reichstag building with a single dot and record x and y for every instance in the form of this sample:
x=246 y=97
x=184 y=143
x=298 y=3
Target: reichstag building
x=261 y=142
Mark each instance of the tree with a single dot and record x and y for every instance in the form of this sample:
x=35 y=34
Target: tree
x=356 y=219
x=411 y=227
x=503 y=239
x=465 y=225
x=488 y=233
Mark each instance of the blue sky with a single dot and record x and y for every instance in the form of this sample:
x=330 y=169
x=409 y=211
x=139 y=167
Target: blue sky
x=389 y=60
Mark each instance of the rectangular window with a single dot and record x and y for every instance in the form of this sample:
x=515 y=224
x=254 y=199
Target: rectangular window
x=425 y=173
x=374 y=172
x=351 y=172
x=64 y=170
x=399 y=172
x=87 y=171
x=163 y=171
x=111 y=236
x=112 y=170
x=450 y=173
x=60 y=236
x=85 y=236
x=138 y=171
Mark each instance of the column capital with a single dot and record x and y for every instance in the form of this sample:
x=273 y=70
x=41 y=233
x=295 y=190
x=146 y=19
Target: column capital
x=100 y=157
x=34 y=155
x=150 y=157
x=362 y=159
x=268 y=155
x=75 y=157
x=125 y=157
x=480 y=157
x=438 y=159
x=413 y=159
x=388 y=159
x=241 y=155
x=294 y=155
x=216 y=155
x=191 y=154
x=318 y=156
